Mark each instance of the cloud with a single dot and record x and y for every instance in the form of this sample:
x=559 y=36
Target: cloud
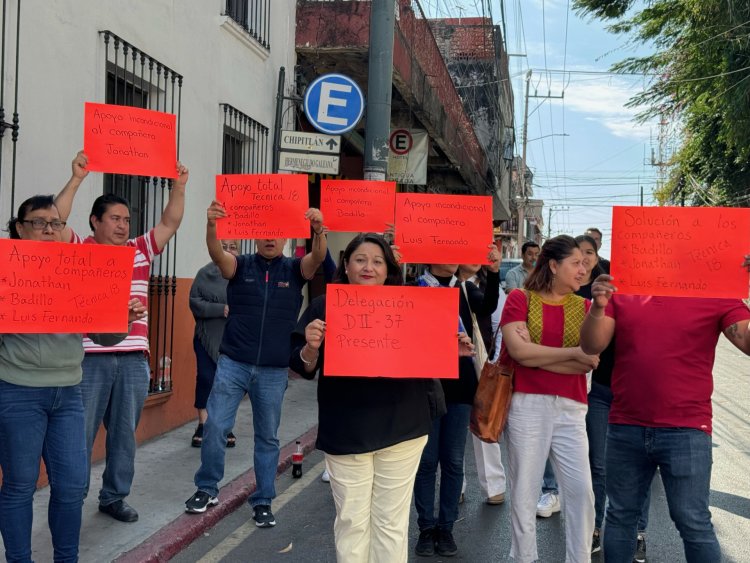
x=603 y=101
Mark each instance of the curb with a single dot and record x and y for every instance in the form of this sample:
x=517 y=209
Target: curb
x=184 y=530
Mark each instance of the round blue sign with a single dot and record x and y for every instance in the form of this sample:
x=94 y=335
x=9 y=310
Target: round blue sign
x=334 y=104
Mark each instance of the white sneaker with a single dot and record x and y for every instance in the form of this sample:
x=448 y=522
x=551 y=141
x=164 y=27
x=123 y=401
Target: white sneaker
x=548 y=504
x=326 y=478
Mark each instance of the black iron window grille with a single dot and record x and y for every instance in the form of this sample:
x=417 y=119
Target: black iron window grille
x=254 y=16
x=244 y=148
x=134 y=78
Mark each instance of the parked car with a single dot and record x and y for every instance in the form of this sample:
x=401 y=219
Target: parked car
x=505 y=265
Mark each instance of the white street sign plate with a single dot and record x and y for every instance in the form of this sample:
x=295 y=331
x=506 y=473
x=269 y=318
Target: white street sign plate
x=302 y=162
x=315 y=142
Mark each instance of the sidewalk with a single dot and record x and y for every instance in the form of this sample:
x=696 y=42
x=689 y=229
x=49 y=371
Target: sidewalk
x=164 y=472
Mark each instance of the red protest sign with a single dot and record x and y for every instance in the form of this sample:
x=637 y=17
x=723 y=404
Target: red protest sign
x=680 y=251
x=391 y=331
x=54 y=287
x=263 y=206
x=130 y=140
x=357 y=205
x=443 y=229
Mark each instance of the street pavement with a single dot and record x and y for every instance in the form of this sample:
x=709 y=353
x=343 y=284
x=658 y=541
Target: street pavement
x=305 y=512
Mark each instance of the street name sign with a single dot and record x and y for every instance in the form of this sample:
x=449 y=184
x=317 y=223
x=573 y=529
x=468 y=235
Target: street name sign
x=309 y=162
x=310 y=142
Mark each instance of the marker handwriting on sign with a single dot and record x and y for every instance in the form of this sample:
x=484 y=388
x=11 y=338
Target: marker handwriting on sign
x=357 y=205
x=440 y=229
x=263 y=206
x=680 y=251
x=58 y=287
x=395 y=331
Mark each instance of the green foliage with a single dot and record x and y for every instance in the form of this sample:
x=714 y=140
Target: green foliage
x=701 y=80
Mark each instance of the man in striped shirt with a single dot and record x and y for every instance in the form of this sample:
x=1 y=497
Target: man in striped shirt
x=116 y=378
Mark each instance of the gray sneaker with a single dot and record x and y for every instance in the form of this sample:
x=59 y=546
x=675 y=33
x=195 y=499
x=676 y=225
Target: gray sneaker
x=640 y=550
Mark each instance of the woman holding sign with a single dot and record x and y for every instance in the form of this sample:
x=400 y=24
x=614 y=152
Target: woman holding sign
x=41 y=414
x=548 y=410
x=372 y=429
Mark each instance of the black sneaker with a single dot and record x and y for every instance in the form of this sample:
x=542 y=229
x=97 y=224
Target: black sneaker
x=640 y=550
x=263 y=516
x=596 y=542
x=445 y=544
x=199 y=502
x=426 y=543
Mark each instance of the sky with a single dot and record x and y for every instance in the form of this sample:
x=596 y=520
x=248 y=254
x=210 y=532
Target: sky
x=584 y=148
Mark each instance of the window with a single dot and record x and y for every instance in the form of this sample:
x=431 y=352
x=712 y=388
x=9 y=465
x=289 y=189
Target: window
x=244 y=148
x=134 y=78
x=254 y=16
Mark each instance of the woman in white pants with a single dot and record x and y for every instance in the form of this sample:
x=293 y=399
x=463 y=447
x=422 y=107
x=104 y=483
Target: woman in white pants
x=548 y=411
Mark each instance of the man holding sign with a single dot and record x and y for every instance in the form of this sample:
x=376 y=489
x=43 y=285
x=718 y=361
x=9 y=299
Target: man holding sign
x=264 y=295
x=115 y=378
x=661 y=409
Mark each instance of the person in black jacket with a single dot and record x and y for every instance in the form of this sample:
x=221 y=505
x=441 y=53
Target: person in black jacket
x=447 y=439
x=371 y=429
x=264 y=295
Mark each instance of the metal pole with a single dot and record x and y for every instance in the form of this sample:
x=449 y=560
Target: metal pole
x=549 y=223
x=277 y=124
x=522 y=176
x=379 y=80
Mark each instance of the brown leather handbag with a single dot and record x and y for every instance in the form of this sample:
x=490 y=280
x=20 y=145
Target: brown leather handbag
x=492 y=399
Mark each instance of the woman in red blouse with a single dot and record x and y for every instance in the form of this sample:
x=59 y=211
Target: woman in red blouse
x=541 y=328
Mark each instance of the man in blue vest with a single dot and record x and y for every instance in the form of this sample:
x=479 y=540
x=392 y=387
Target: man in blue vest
x=264 y=295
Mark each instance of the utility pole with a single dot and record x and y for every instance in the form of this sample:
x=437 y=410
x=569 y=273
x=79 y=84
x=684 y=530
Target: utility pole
x=521 y=203
x=379 y=84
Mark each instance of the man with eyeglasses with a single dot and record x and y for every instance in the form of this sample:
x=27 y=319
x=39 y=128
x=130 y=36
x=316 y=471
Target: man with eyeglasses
x=116 y=378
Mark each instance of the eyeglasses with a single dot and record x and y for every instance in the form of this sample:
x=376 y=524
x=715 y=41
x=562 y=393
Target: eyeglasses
x=39 y=224
x=230 y=247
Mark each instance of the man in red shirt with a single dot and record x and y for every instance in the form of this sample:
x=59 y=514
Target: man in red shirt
x=661 y=411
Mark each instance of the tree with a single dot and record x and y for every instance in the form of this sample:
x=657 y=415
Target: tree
x=701 y=79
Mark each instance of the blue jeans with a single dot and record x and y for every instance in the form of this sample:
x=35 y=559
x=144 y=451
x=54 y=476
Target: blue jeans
x=684 y=458
x=41 y=423
x=597 y=422
x=265 y=386
x=549 y=482
x=114 y=387
x=445 y=445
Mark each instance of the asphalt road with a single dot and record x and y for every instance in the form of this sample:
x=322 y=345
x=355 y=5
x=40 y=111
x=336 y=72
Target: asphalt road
x=304 y=509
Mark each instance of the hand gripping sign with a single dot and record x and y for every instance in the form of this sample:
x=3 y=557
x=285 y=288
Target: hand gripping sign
x=54 y=287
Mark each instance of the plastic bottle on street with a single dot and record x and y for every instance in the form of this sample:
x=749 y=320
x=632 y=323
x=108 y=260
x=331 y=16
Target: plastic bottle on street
x=297 y=458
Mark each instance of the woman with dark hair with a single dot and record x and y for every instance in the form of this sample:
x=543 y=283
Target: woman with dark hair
x=41 y=413
x=548 y=411
x=591 y=262
x=372 y=430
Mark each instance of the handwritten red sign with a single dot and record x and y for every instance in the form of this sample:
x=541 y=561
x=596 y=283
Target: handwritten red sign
x=391 y=331
x=443 y=229
x=54 y=287
x=263 y=206
x=130 y=140
x=680 y=251
x=357 y=205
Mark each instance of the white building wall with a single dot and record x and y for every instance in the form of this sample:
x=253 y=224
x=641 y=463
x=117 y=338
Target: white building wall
x=62 y=65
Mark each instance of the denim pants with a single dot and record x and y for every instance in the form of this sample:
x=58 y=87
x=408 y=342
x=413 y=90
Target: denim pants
x=114 y=387
x=41 y=423
x=597 y=422
x=265 y=386
x=684 y=458
x=549 y=482
x=445 y=445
